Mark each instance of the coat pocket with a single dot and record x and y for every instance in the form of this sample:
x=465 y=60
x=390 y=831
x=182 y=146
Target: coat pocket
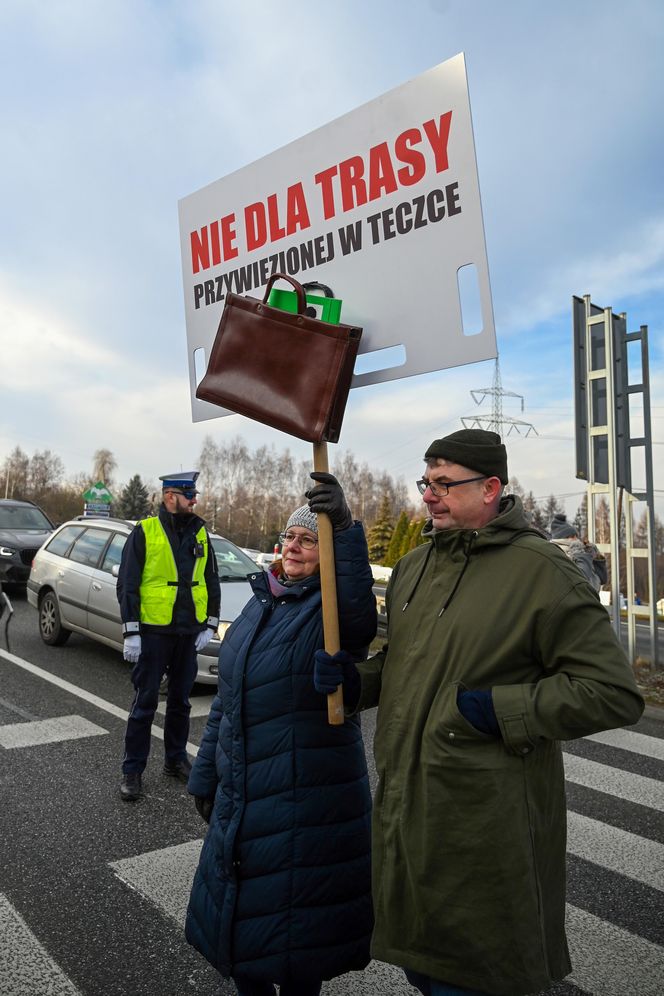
x=446 y=730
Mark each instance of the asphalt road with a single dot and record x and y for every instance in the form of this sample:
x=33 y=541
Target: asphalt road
x=93 y=890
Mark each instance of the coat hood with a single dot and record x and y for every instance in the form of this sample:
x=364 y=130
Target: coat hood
x=461 y=544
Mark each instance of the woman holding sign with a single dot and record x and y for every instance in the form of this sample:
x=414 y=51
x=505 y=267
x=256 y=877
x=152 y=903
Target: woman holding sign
x=282 y=894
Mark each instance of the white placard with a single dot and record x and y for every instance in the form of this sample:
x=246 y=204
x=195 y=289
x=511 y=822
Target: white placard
x=382 y=205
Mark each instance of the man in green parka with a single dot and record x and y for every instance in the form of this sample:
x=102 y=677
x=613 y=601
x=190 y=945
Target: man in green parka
x=498 y=648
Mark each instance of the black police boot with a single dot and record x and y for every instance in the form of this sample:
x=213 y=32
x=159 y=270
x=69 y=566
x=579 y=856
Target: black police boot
x=178 y=769
x=130 y=786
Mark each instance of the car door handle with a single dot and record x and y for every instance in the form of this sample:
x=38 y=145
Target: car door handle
x=96 y=586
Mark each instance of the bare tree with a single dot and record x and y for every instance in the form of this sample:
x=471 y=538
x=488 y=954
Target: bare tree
x=209 y=482
x=513 y=487
x=234 y=464
x=103 y=466
x=45 y=474
x=602 y=521
x=15 y=474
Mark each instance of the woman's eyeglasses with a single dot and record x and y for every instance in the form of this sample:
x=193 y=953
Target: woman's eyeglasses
x=306 y=542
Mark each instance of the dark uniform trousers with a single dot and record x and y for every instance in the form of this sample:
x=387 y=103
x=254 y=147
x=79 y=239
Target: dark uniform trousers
x=159 y=653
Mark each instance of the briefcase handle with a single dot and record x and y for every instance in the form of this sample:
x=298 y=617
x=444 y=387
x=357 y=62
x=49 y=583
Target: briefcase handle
x=314 y=285
x=299 y=290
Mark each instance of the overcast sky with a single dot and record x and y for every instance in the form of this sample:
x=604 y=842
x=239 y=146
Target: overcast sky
x=114 y=111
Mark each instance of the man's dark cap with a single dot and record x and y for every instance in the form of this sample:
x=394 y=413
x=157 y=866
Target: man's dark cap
x=185 y=480
x=476 y=449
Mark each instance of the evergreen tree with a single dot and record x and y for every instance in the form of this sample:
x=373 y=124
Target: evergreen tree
x=552 y=507
x=538 y=519
x=394 y=550
x=414 y=537
x=529 y=505
x=581 y=517
x=134 y=502
x=380 y=534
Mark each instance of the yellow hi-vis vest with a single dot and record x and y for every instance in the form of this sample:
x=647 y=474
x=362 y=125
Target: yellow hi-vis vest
x=159 y=587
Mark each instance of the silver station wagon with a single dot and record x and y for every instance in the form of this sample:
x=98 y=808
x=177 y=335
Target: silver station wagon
x=73 y=580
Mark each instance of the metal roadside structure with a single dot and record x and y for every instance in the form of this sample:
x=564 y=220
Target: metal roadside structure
x=605 y=446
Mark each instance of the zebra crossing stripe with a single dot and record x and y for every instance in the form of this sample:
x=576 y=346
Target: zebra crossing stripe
x=164 y=877
x=637 y=743
x=81 y=693
x=613 y=781
x=48 y=731
x=26 y=968
x=617 y=850
x=610 y=961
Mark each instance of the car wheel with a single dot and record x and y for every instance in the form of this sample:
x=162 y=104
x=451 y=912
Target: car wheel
x=50 y=627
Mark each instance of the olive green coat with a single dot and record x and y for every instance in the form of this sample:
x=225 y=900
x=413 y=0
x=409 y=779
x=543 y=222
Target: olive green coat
x=469 y=831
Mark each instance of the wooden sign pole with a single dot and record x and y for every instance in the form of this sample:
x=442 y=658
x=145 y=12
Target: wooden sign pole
x=328 y=584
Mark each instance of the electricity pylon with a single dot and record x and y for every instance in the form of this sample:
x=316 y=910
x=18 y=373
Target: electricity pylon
x=497 y=422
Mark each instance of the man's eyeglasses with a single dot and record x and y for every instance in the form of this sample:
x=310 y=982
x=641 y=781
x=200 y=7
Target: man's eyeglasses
x=188 y=493
x=441 y=488
x=306 y=542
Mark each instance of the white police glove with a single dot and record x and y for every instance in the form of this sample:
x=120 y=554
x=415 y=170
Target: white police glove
x=132 y=648
x=203 y=639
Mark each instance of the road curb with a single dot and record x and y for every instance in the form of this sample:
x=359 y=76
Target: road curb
x=654 y=712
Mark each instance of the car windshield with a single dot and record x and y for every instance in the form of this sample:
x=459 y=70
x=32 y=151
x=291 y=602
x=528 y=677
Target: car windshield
x=23 y=517
x=231 y=561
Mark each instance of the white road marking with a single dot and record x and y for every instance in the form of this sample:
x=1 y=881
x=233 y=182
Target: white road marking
x=618 y=850
x=614 y=781
x=81 y=693
x=26 y=968
x=638 y=743
x=48 y=731
x=164 y=877
x=612 y=961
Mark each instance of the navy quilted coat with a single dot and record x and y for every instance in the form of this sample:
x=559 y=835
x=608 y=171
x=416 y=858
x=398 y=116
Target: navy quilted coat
x=283 y=887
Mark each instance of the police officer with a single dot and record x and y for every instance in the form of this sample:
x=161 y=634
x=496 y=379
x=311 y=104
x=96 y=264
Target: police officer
x=168 y=590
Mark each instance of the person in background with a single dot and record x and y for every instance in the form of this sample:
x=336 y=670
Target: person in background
x=282 y=894
x=497 y=650
x=169 y=595
x=585 y=555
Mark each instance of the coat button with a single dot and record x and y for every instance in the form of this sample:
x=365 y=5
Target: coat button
x=525 y=750
x=263 y=599
x=451 y=736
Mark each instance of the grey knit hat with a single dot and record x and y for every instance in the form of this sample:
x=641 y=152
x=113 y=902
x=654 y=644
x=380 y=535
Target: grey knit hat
x=303 y=516
x=560 y=528
x=477 y=449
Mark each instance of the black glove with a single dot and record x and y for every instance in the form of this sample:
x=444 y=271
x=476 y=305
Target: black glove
x=477 y=707
x=327 y=496
x=204 y=807
x=331 y=670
